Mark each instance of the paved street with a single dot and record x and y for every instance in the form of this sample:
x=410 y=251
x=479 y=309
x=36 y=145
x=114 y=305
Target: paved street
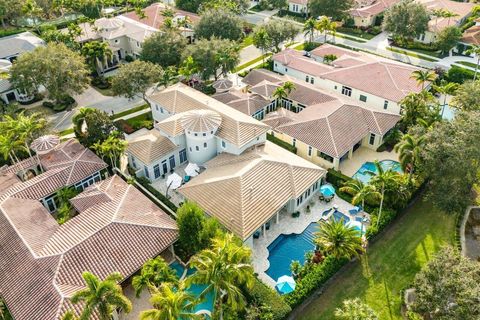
x=92 y=98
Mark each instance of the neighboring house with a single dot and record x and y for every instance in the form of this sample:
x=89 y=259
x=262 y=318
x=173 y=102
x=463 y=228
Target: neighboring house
x=372 y=81
x=471 y=36
x=325 y=127
x=253 y=179
x=116 y=229
x=126 y=34
x=10 y=48
x=298 y=6
x=462 y=10
x=365 y=12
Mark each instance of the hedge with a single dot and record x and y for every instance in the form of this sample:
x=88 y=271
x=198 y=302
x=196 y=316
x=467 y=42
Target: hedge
x=459 y=75
x=387 y=216
x=314 y=279
x=337 y=178
x=146 y=184
x=261 y=294
x=281 y=143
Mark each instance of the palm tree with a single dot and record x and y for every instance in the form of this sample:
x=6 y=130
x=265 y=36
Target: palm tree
x=188 y=68
x=423 y=76
x=309 y=28
x=28 y=127
x=9 y=146
x=288 y=86
x=446 y=88
x=262 y=40
x=324 y=25
x=355 y=309
x=154 y=272
x=169 y=76
x=338 y=240
x=360 y=191
x=225 y=268
x=171 y=304
x=101 y=297
x=475 y=50
x=112 y=148
x=95 y=52
x=384 y=180
x=448 y=14
x=279 y=94
x=79 y=119
x=69 y=315
x=409 y=149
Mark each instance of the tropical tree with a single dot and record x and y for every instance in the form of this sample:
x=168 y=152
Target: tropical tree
x=112 y=148
x=415 y=106
x=101 y=297
x=325 y=25
x=69 y=315
x=406 y=19
x=309 y=28
x=360 y=191
x=423 y=76
x=96 y=53
x=330 y=8
x=279 y=94
x=169 y=76
x=33 y=11
x=409 y=149
x=9 y=146
x=188 y=69
x=355 y=309
x=475 y=50
x=225 y=268
x=278 y=32
x=384 y=180
x=164 y=48
x=171 y=304
x=338 y=240
x=154 y=273
x=467 y=96
x=219 y=23
x=446 y=88
x=262 y=41
x=288 y=86
x=29 y=127
x=448 y=37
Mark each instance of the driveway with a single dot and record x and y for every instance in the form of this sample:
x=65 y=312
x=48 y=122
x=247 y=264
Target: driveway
x=258 y=17
x=94 y=99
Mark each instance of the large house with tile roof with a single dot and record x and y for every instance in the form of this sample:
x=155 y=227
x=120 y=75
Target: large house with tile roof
x=245 y=181
x=325 y=127
x=115 y=229
x=372 y=81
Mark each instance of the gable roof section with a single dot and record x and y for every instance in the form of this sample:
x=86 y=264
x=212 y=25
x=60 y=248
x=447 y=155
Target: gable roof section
x=251 y=187
x=19 y=43
x=150 y=147
x=154 y=17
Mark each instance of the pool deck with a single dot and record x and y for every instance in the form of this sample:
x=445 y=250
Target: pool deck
x=362 y=155
x=288 y=225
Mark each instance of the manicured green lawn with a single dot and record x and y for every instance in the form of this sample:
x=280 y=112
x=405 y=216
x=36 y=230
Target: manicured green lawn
x=390 y=264
x=466 y=63
x=356 y=33
x=412 y=54
x=340 y=35
x=130 y=111
x=251 y=62
x=248 y=40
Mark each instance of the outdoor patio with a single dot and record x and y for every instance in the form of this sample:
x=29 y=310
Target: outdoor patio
x=289 y=225
x=361 y=155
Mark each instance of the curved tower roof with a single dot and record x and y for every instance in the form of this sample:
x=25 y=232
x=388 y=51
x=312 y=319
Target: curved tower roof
x=201 y=120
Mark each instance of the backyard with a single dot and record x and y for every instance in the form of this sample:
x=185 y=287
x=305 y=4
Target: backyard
x=390 y=264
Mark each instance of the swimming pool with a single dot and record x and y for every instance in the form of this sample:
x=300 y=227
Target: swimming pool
x=195 y=289
x=366 y=171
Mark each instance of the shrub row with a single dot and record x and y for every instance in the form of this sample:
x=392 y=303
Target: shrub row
x=459 y=75
x=261 y=294
x=314 y=279
x=281 y=143
x=10 y=31
x=387 y=216
x=146 y=184
x=337 y=178
x=65 y=103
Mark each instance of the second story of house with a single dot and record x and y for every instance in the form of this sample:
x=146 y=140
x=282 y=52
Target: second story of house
x=372 y=81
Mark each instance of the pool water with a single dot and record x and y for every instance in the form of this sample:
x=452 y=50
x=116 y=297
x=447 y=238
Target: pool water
x=337 y=216
x=195 y=289
x=368 y=169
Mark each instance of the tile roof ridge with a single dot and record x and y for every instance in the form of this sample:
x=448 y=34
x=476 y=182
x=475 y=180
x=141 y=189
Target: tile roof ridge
x=120 y=203
x=129 y=223
x=331 y=136
x=391 y=77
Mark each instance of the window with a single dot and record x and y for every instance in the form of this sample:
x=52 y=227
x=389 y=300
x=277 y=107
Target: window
x=134 y=164
x=275 y=64
x=347 y=91
x=183 y=155
x=294 y=142
x=372 y=139
x=363 y=98
x=50 y=203
x=156 y=171
x=211 y=132
x=164 y=167
x=385 y=104
x=145 y=169
x=307 y=78
x=324 y=156
x=138 y=44
x=309 y=151
x=204 y=134
x=172 y=162
x=116 y=40
x=205 y=145
x=224 y=145
x=286 y=70
x=311 y=80
x=156 y=107
x=336 y=87
x=196 y=134
x=161 y=110
x=197 y=148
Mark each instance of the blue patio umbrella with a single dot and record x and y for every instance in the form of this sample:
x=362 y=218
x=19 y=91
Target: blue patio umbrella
x=285 y=284
x=327 y=190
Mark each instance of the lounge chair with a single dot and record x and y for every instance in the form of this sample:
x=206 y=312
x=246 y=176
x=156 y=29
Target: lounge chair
x=256 y=234
x=267 y=225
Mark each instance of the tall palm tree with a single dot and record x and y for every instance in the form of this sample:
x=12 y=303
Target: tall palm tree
x=446 y=88
x=154 y=272
x=309 y=27
x=279 y=94
x=101 y=297
x=96 y=52
x=171 y=304
x=324 y=25
x=475 y=50
x=79 y=119
x=288 y=86
x=448 y=14
x=112 y=148
x=360 y=191
x=409 y=149
x=423 y=76
x=385 y=180
x=338 y=240
x=225 y=268
x=28 y=127
x=9 y=147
